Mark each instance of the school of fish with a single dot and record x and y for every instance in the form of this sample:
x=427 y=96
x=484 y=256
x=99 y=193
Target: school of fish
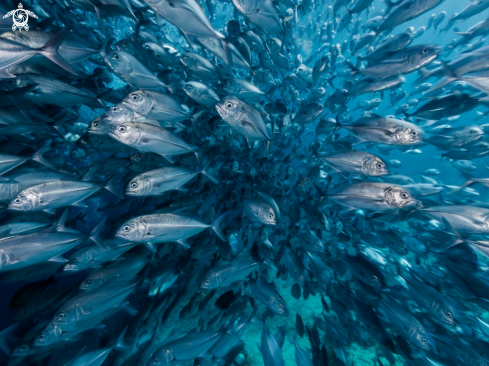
x=244 y=182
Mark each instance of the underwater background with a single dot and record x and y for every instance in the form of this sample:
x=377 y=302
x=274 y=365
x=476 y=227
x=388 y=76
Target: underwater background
x=237 y=224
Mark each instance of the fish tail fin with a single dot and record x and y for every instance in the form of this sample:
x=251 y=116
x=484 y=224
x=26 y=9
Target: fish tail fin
x=103 y=47
x=216 y=226
x=3 y=335
x=103 y=95
x=120 y=341
x=448 y=77
x=467 y=183
x=338 y=124
x=423 y=73
x=38 y=155
x=198 y=156
x=112 y=185
x=94 y=234
x=441 y=160
x=406 y=113
x=228 y=54
x=98 y=13
x=50 y=50
x=451 y=230
x=60 y=226
x=210 y=171
x=354 y=69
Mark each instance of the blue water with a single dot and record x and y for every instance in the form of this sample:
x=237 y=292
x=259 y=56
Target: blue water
x=412 y=165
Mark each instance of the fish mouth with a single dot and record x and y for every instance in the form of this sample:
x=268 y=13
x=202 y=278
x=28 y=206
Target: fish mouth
x=113 y=135
x=219 y=110
x=411 y=203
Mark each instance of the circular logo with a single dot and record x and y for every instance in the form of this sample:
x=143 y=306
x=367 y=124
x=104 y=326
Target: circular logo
x=20 y=18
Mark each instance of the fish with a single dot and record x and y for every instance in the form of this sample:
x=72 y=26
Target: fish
x=244 y=182
x=12 y=53
x=242 y=89
x=373 y=196
x=356 y=162
x=159 y=181
x=403 y=61
x=157 y=106
x=178 y=349
x=384 y=130
x=225 y=275
x=129 y=68
x=165 y=227
x=243 y=118
x=201 y=93
x=150 y=138
x=21 y=251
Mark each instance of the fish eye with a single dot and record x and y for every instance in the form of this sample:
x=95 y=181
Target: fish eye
x=207 y=281
x=134 y=97
x=230 y=83
x=301 y=278
x=155 y=360
x=424 y=340
x=307 y=179
x=115 y=57
x=380 y=165
x=472 y=131
x=61 y=316
x=281 y=306
x=95 y=124
x=126 y=228
x=88 y=282
x=404 y=195
x=140 y=156
x=11 y=82
x=413 y=133
x=449 y=314
x=134 y=185
x=229 y=105
x=425 y=51
x=22 y=347
x=42 y=336
x=122 y=129
x=17 y=200
x=317 y=106
x=115 y=109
